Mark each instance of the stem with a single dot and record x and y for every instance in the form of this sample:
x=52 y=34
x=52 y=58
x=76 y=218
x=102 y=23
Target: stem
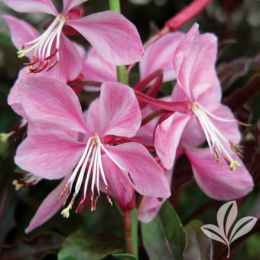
x=131 y=231
x=114 y=5
x=122 y=76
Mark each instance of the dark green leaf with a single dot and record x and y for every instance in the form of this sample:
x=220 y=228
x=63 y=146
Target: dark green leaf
x=32 y=248
x=124 y=257
x=198 y=245
x=164 y=237
x=80 y=245
x=5 y=39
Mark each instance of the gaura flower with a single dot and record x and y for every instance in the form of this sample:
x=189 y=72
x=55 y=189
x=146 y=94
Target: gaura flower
x=112 y=35
x=61 y=73
x=197 y=83
x=62 y=142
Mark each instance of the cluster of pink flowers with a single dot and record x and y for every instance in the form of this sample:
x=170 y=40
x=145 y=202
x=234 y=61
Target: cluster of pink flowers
x=128 y=139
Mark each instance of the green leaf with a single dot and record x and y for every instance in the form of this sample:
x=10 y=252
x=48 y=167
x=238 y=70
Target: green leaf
x=80 y=245
x=124 y=257
x=5 y=39
x=32 y=248
x=198 y=245
x=164 y=237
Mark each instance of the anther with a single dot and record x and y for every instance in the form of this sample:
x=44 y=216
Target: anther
x=108 y=197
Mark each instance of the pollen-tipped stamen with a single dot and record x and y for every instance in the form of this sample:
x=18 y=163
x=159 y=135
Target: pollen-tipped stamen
x=91 y=159
x=44 y=47
x=214 y=137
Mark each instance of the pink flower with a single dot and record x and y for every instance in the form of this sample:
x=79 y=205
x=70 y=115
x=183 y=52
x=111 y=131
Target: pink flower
x=112 y=35
x=60 y=139
x=197 y=82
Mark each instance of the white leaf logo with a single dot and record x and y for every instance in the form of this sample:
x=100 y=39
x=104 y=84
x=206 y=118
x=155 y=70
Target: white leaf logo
x=225 y=217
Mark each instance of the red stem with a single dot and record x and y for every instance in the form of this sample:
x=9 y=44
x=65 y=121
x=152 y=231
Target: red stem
x=128 y=232
x=181 y=107
x=187 y=14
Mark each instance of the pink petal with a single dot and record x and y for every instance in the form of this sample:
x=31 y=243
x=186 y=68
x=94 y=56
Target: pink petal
x=146 y=132
x=119 y=110
x=70 y=63
x=118 y=185
x=167 y=137
x=91 y=116
x=14 y=97
x=32 y=6
x=203 y=79
x=52 y=102
x=229 y=129
x=159 y=55
x=193 y=133
x=215 y=182
x=151 y=205
x=48 y=208
x=50 y=156
x=95 y=68
x=21 y=31
x=69 y=4
x=146 y=176
x=184 y=58
x=112 y=35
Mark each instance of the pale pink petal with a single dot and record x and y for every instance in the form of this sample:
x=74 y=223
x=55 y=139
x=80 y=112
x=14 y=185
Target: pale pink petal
x=146 y=132
x=95 y=68
x=151 y=205
x=184 y=58
x=178 y=94
x=52 y=102
x=119 y=110
x=21 y=31
x=193 y=133
x=70 y=63
x=14 y=97
x=167 y=137
x=69 y=4
x=48 y=208
x=91 y=116
x=215 y=182
x=145 y=175
x=159 y=56
x=50 y=156
x=112 y=35
x=228 y=129
x=32 y=6
x=203 y=79
x=118 y=185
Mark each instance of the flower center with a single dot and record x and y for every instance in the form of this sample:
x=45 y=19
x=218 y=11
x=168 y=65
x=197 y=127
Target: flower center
x=44 y=47
x=89 y=165
x=216 y=140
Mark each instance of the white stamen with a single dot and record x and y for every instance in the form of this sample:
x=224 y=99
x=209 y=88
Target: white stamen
x=215 y=139
x=90 y=158
x=43 y=45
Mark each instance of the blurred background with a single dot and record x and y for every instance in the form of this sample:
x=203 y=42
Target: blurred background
x=237 y=25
